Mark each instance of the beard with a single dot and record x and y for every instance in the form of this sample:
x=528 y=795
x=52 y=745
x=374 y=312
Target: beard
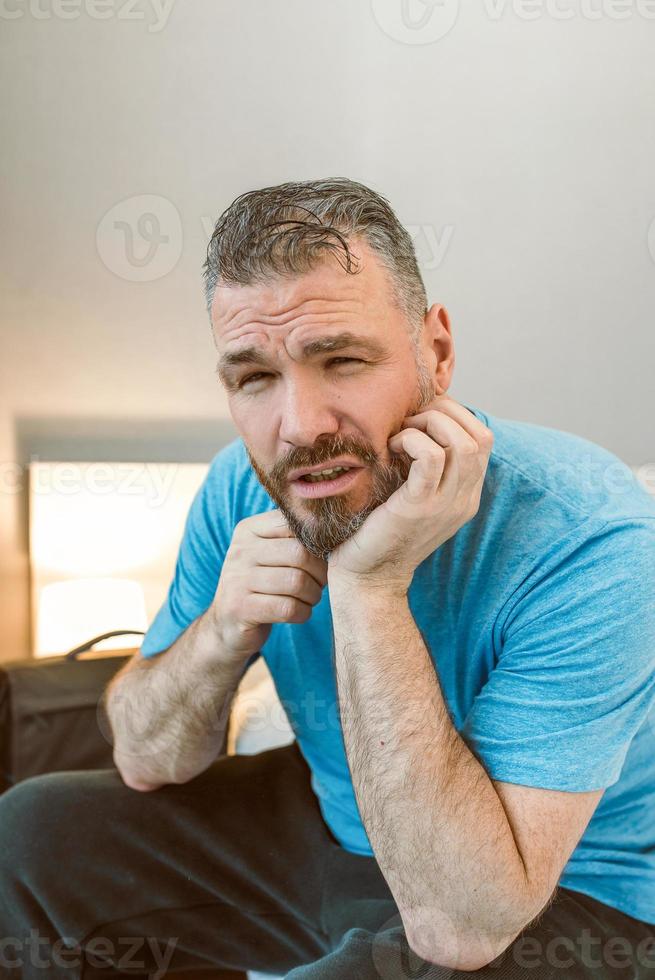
x=329 y=521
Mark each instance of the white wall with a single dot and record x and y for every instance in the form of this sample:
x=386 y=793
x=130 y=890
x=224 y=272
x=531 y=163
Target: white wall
x=519 y=145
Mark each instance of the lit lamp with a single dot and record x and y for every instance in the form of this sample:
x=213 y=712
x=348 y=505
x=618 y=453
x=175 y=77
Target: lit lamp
x=103 y=541
x=71 y=612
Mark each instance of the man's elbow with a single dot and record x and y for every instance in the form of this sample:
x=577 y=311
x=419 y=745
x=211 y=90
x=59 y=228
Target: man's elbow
x=136 y=782
x=132 y=780
x=140 y=785
x=459 y=952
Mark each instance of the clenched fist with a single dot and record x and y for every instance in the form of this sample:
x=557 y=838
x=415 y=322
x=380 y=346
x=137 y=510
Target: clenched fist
x=268 y=577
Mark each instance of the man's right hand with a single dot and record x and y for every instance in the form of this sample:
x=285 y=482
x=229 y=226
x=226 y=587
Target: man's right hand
x=268 y=577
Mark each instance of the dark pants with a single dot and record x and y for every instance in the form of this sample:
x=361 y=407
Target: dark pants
x=237 y=869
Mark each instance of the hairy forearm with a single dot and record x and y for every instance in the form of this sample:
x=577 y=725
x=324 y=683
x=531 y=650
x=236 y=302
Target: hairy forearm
x=434 y=820
x=168 y=713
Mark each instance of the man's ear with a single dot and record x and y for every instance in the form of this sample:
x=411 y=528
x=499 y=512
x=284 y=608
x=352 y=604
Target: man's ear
x=438 y=336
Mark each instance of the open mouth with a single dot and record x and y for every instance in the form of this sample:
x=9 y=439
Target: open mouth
x=328 y=474
x=327 y=482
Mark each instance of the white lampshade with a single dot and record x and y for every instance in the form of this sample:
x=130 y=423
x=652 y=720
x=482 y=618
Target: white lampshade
x=74 y=611
x=104 y=520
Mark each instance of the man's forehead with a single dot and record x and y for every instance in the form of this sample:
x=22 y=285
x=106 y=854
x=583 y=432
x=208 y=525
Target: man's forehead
x=325 y=290
x=247 y=307
x=279 y=304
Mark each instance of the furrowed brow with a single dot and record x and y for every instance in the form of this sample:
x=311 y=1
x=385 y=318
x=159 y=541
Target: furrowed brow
x=232 y=359
x=341 y=341
x=321 y=345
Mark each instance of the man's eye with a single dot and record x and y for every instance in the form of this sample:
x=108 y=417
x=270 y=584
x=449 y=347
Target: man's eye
x=252 y=377
x=264 y=374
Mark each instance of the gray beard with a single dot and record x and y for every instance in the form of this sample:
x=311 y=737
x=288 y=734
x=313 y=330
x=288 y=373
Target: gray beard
x=333 y=522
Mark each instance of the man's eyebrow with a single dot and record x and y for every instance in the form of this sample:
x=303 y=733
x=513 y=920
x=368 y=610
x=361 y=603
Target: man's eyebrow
x=320 y=345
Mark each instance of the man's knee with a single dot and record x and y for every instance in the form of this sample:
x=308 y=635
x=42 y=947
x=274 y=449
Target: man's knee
x=22 y=809
x=37 y=813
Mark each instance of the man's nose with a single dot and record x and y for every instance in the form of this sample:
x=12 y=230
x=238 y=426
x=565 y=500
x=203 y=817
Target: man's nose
x=306 y=415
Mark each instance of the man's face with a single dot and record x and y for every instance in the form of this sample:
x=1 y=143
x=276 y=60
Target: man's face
x=297 y=408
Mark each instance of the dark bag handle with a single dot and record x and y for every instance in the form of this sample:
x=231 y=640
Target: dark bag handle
x=73 y=654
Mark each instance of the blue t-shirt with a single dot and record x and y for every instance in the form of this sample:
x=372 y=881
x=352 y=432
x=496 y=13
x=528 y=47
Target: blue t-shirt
x=539 y=615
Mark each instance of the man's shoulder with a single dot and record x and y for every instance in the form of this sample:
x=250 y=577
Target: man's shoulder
x=537 y=465
x=228 y=459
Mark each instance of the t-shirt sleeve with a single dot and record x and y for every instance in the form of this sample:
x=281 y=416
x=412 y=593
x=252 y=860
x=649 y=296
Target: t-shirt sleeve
x=575 y=678
x=207 y=534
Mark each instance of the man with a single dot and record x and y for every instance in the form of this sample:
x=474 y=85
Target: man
x=458 y=612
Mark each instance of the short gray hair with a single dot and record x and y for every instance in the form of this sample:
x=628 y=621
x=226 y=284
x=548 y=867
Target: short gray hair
x=285 y=230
